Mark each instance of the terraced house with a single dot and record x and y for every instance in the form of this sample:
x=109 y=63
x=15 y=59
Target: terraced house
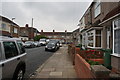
x=100 y=28
x=28 y=33
x=8 y=27
x=63 y=36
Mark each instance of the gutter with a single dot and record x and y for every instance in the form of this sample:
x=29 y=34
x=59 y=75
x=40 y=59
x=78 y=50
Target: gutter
x=109 y=19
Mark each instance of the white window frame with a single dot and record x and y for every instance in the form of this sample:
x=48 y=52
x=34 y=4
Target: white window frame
x=94 y=39
x=92 y=31
x=82 y=24
x=84 y=38
x=7 y=28
x=97 y=8
x=115 y=54
x=15 y=30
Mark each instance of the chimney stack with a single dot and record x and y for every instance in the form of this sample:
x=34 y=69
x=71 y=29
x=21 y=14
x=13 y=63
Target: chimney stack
x=26 y=25
x=53 y=30
x=65 y=30
x=41 y=30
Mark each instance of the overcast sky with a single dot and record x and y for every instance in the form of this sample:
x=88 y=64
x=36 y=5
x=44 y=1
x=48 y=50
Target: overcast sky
x=47 y=16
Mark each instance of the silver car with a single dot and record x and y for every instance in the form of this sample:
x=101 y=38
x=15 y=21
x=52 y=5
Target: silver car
x=12 y=59
x=43 y=42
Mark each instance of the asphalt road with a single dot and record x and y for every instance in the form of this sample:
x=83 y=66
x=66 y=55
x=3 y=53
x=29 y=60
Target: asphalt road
x=35 y=58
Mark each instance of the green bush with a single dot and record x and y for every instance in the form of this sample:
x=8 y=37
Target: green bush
x=79 y=45
x=38 y=37
x=92 y=62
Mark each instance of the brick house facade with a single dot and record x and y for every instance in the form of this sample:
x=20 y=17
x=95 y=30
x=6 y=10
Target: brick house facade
x=101 y=28
x=64 y=36
x=8 y=27
x=28 y=33
x=76 y=37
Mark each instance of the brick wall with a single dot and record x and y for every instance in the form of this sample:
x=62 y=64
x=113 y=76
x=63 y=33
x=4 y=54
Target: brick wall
x=82 y=68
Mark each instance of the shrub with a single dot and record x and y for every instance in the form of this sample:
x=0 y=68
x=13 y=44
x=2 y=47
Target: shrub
x=92 y=62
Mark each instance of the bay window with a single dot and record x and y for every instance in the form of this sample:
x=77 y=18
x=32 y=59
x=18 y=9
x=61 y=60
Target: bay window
x=116 y=36
x=91 y=38
x=94 y=39
x=98 y=38
x=84 y=39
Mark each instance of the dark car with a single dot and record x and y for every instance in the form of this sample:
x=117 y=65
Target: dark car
x=52 y=46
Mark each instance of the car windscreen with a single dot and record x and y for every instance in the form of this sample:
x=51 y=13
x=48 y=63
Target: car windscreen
x=50 y=44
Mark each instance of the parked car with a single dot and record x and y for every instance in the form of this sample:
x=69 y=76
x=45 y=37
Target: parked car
x=12 y=59
x=29 y=44
x=60 y=44
x=23 y=44
x=37 y=44
x=43 y=42
x=52 y=46
x=47 y=40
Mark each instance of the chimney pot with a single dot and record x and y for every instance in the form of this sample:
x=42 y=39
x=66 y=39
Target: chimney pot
x=41 y=30
x=26 y=25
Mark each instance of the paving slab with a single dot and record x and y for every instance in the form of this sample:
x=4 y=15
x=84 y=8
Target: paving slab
x=55 y=74
x=59 y=65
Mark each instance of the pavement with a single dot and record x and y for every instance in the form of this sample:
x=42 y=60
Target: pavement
x=59 y=65
x=35 y=58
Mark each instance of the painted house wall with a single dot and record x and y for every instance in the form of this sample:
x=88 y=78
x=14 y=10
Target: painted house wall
x=9 y=28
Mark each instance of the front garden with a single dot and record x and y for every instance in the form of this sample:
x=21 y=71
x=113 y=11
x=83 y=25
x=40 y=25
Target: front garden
x=83 y=58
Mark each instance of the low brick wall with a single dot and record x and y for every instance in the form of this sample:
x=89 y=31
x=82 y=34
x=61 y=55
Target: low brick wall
x=71 y=52
x=82 y=68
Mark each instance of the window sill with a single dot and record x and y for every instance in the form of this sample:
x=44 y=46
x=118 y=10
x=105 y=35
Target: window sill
x=94 y=47
x=116 y=55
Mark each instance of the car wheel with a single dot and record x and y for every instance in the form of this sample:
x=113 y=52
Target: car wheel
x=19 y=74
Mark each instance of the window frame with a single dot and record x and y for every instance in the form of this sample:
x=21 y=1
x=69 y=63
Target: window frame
x=94 y=38
x=6 y=27
x=5 y=52
x=117 y=28
x=15 y=30
x=96 y=7
x=88 y=41
x=20 y=47
x=3 y=26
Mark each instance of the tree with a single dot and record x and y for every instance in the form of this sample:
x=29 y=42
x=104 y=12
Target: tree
x=38 y=37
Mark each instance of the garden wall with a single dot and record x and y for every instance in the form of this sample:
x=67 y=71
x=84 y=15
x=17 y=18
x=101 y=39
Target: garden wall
x=82 y=68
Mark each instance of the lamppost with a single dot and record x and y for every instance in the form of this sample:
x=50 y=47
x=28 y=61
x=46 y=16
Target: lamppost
x=32 y=30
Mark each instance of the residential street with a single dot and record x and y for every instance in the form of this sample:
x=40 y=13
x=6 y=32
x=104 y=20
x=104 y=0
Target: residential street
x=59 y=39
x=35 y=58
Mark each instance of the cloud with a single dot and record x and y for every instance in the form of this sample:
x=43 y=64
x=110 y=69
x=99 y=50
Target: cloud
x=47 y=15
x=47 y=0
